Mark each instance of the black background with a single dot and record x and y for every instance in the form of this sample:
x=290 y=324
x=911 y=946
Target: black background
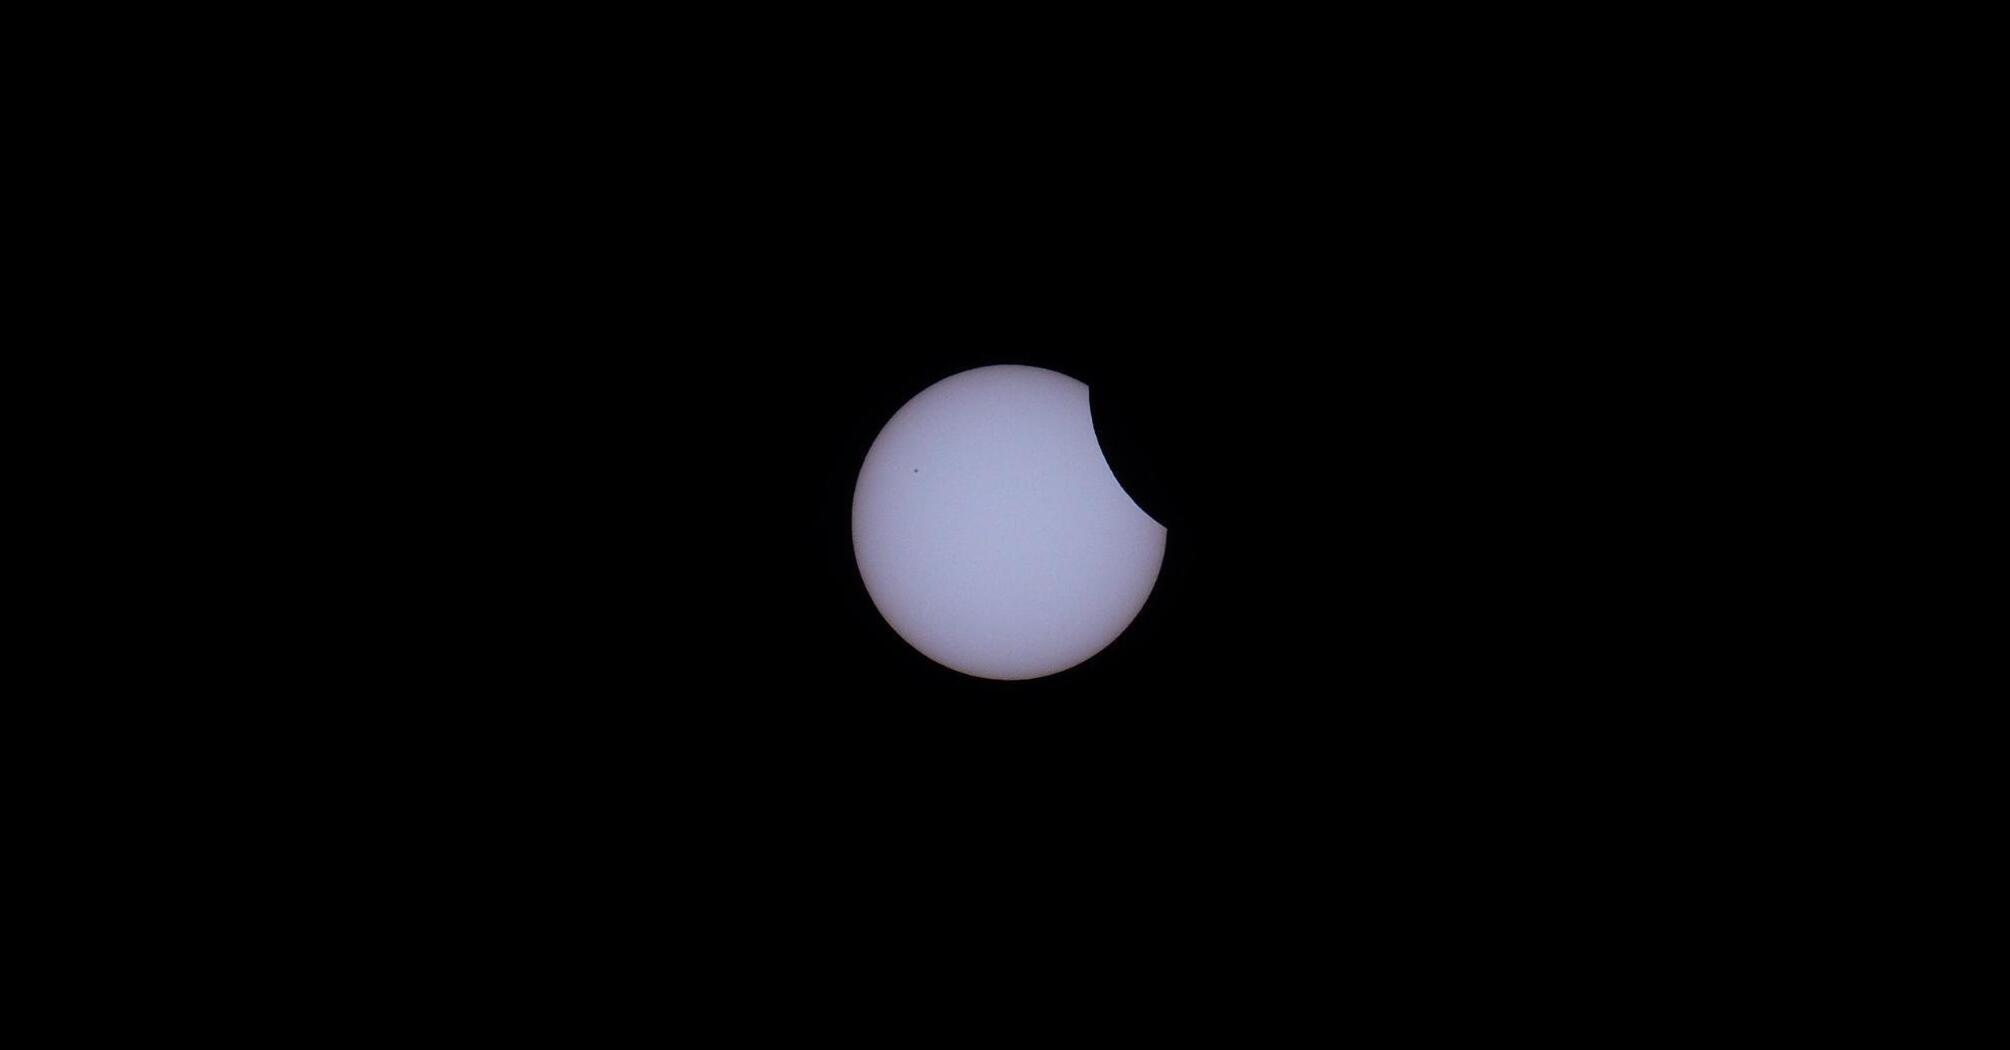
x=1365 y=406
x=606 y=362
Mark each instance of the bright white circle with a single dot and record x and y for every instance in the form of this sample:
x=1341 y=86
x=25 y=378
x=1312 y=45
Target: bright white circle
x=990 y=531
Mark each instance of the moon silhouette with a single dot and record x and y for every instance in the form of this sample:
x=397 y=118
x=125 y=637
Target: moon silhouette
x=990 y=531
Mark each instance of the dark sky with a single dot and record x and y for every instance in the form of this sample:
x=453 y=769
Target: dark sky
x=563 y=351
x=612 y=398
x=1384 y=485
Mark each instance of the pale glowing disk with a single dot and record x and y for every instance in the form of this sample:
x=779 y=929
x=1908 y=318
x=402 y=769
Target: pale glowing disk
x=989 y=529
